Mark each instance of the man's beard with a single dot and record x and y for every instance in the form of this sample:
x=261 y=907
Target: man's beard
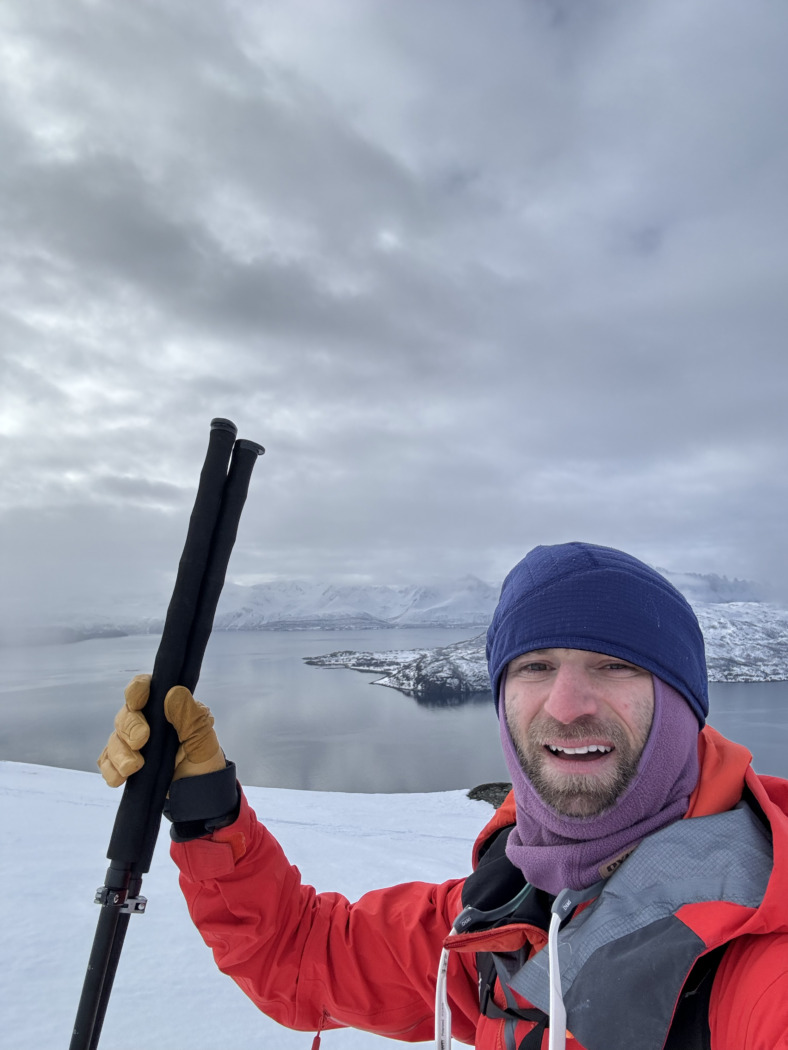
x=577 y=794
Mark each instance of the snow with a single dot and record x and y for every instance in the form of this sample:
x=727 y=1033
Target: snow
x=168 y=993
x=745 y=641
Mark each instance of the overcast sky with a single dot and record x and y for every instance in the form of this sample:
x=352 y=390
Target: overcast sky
x=478 y=276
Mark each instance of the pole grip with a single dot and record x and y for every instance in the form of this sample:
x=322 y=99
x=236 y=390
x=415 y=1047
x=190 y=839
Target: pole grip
x=139 y=812
x=236 y=488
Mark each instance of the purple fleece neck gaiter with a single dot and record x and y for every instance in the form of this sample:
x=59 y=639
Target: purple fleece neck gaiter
x=556 y=852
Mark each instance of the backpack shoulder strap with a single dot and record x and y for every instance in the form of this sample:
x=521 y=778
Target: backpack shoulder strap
x=496 y=882
x=690 y=1029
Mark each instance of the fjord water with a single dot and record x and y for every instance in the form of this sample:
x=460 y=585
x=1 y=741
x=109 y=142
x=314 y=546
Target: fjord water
x=286 y=724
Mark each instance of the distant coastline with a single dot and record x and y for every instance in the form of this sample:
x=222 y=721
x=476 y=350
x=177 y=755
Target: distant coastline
x=746 y=638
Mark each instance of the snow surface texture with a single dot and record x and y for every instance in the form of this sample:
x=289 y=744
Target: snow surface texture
x=168 y=992
x=745 y=642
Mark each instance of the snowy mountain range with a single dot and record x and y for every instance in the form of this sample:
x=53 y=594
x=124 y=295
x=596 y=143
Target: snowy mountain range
x=292 y=605
x=299 y=605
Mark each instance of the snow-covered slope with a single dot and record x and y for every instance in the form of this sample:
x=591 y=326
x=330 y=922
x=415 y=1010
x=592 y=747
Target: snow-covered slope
x=297 y=604
x=168 y=993
x=745 y=642
x=286 y=605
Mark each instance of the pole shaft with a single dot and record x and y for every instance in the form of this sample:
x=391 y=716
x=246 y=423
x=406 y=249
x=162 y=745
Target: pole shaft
x=212 y=530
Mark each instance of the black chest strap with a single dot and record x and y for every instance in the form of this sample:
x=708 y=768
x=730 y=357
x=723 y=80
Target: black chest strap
x=495 y=884
x=690 y=1028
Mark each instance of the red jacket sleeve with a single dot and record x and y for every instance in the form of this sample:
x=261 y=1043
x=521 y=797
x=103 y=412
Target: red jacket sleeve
x=749 y=997
x=312 y=960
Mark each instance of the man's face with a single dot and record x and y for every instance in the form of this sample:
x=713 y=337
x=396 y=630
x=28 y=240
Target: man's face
x=579 y=721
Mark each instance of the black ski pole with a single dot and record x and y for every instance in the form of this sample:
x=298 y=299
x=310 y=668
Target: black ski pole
x=236 y=487
x=212 y=529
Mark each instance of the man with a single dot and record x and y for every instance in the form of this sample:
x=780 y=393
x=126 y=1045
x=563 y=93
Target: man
x=630 y=894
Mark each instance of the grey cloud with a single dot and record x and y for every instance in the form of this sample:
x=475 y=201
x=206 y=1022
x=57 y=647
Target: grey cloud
x=477 y=277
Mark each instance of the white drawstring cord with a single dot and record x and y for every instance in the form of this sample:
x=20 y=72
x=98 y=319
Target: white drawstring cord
x=557 y=1030
x=563 y=906
x=465 y=921
x=442 y=1009
x=557 y=1040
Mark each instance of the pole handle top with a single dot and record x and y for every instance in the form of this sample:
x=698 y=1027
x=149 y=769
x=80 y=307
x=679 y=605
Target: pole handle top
x=252 y=446
x=224 y=424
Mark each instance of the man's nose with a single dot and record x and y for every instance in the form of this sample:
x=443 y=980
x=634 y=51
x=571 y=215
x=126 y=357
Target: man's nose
x=572 y=695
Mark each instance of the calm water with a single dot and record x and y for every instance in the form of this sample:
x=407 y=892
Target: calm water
x=289 y=725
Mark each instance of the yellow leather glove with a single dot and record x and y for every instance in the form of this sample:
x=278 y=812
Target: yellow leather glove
x=199 y=750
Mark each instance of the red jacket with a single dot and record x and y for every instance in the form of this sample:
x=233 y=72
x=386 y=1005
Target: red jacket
x=315 y=961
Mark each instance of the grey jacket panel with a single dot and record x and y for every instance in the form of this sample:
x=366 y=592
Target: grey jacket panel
x=624 y=959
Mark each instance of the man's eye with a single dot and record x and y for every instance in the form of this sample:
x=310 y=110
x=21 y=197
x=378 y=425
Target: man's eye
x=533 y=667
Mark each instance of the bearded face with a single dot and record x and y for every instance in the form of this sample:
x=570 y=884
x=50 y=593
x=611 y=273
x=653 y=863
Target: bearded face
x=579 y=722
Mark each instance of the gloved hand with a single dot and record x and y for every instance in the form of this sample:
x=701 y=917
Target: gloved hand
x=193 y=722
x=203 y=794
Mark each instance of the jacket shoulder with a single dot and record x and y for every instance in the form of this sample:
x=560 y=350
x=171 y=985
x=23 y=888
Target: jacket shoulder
x=504 y=816
x=749 y=999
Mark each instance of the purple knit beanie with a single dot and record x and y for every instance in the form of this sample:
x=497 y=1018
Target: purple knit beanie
x=581 y=596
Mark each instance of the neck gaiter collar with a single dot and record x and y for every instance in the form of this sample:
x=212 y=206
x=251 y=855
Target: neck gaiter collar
x=556 y=852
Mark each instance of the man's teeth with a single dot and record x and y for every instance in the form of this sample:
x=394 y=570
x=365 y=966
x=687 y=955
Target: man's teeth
x=585 y=750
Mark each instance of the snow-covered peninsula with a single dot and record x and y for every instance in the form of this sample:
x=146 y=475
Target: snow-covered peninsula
x=745 y=642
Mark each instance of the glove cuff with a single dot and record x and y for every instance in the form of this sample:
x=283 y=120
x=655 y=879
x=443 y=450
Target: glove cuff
x=196 y=806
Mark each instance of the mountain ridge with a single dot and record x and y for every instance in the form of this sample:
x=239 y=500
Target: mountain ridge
x=293 y=605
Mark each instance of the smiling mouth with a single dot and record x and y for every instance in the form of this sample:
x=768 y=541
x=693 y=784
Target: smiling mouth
x=584 y=753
